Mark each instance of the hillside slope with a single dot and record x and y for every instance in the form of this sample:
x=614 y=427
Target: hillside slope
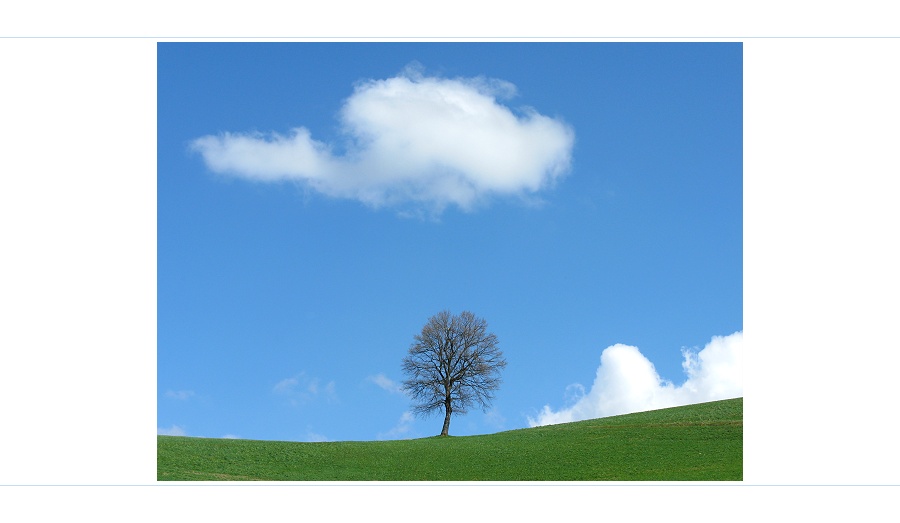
x=702 y=442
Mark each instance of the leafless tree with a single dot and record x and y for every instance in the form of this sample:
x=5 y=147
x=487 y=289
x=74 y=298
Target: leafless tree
x=453 y=363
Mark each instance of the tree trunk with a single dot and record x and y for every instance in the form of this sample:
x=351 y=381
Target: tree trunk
x=445 y=431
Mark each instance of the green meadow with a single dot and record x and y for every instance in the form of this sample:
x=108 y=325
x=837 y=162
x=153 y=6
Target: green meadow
x=702 y=442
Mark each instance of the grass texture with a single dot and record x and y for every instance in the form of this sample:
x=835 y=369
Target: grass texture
x=702 y=442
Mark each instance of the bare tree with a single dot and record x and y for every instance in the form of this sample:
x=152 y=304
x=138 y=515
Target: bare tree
x=453 y=363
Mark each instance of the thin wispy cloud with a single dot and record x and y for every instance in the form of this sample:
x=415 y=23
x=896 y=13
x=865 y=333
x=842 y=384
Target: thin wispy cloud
x=627 y=381
x=314 y=437
x=174 y=430
x=301 y=389
x=386 y=383
x=286 y=386
x=495 y=419
x=180 y=395
x=412 y=142
x=401 y=430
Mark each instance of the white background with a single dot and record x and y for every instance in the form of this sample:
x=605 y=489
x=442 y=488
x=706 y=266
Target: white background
x=78 y=269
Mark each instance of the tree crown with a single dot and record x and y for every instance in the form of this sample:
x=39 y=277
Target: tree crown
x=453 y=363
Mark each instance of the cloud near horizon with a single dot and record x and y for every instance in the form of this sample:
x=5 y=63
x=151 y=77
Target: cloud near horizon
x=174 y=430
x=401 y=429
x=411 y=140
x=626 y=382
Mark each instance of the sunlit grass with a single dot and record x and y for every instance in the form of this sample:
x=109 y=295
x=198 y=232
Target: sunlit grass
x=702 y=442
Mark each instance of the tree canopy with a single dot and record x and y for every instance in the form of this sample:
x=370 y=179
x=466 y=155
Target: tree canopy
x=453 y=364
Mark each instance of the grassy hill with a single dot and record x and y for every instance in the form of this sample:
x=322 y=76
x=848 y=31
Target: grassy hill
x=702 y=442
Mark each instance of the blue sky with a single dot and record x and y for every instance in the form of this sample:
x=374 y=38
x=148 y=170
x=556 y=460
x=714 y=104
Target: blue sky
x=318 y=202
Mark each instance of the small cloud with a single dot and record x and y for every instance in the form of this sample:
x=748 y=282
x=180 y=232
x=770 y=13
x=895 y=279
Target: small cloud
x=402 y=427
x=174 y=430
x=286 y=386
x=180 y=395
x=313 y=437
x=230 y=436
x=414 y=142
x=386 y=383
x=303 y=389
x=627 y=381
x=495 y=419
x=313 y=386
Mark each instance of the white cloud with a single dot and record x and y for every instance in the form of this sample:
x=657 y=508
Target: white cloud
x=313 y=437
x=627 y=381
x=286 y=386
x=174 y=430
x=411 y=140
x=302 y=389
x=386 y=383
x=401 y=429
x=179 y=394
x=230 y=436
x=495 y=419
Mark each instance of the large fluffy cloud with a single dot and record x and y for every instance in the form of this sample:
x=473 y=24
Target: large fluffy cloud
x=627 y=381
x=413 y=140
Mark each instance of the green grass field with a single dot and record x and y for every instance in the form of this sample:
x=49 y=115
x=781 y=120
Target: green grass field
x=702 y=442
